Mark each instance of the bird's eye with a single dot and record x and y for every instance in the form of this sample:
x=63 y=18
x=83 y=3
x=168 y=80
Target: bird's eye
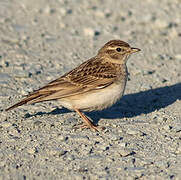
x=118 y=49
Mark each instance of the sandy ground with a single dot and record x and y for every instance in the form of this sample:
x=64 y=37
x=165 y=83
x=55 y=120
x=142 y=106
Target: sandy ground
x=41 y=40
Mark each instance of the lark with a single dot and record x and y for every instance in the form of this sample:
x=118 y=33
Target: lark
x=96 y=84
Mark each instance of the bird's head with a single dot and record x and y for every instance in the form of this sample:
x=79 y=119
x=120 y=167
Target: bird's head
x=117 y=51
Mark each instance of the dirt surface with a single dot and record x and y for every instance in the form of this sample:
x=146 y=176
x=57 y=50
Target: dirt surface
x=41 y=40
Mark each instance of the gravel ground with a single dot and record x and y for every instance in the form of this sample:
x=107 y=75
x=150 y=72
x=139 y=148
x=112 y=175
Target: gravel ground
x=41 y=40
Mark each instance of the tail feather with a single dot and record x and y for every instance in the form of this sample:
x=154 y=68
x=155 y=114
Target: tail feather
x=24 y=101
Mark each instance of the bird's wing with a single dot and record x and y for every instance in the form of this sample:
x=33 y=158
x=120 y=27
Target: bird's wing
x=91 y=75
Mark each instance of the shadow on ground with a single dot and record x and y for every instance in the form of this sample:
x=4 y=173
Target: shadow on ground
x=133 y=104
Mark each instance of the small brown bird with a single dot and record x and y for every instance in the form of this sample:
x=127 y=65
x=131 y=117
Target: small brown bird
x=94 y=85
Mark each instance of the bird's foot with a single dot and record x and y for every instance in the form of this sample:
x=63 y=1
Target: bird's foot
x=91 y=126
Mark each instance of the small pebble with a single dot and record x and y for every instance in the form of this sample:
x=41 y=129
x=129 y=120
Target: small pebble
x=14 y=132
x=167 y=127
x=4 y=77
x=178 y=151
x=99 y=14
x=20 y=73
x=125 y=152
x=31 y=150
x=2 y=163
x=161 y=23
x=5 y=124
x=114 y=137
x=178 y=56
x=88 y=32
x=161 y=164
x=177 y=128
x=133 y=131
x=61 y=138
x=122 y=145
x=135 y=168
x=37 y=123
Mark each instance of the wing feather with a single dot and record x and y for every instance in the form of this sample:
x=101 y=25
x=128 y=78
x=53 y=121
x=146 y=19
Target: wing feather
x=92 y=74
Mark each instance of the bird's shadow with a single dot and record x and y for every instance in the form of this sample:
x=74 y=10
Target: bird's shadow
x=132 y=105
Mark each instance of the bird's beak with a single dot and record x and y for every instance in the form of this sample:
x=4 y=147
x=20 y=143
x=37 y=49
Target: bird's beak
x=133 y=50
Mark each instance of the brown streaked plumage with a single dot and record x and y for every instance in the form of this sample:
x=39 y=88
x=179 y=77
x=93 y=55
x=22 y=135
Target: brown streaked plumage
x=94 y=85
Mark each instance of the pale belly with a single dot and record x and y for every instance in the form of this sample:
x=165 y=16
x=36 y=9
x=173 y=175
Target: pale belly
x=97 y=99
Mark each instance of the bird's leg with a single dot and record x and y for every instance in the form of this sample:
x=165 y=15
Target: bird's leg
x=87 y=123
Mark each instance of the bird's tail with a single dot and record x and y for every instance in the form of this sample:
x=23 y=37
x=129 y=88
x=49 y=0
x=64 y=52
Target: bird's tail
x=26 y=100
